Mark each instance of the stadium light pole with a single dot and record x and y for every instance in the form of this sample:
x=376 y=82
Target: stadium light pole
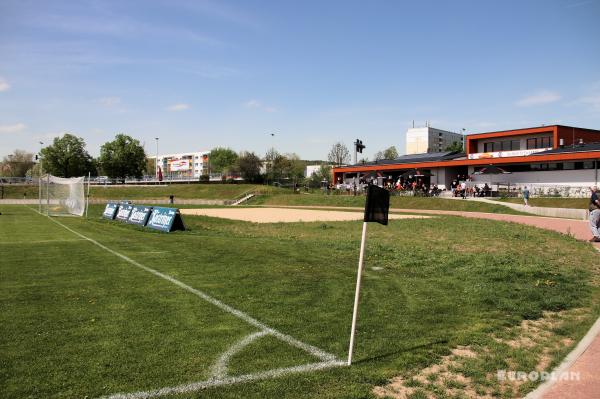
x=156 y=161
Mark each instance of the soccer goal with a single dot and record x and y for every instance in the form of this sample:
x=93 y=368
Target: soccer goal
x=62 y=196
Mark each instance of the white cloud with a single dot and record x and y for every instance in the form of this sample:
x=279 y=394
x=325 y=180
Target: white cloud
x=252 y=104
x=16 y=128
x=109 y=101
x=4 y=86
x=539 y=98
x=178 y=107
x=255 y=104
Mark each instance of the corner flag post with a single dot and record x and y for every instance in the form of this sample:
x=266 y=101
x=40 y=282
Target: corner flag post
x=376 y=210
x=357 y=292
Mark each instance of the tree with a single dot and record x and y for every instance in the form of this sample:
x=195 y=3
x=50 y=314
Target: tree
x=67 y=157
x=455 y=146
x=222 y=159
x=379 y=156
x=16 y=164
x=324 y=173
x=151 y=167
x=295 y=167
x=248 y=163
x=123 y=157
x=339 y=154
x=390 y=153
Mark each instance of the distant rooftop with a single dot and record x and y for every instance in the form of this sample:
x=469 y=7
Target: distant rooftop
x=416 y=158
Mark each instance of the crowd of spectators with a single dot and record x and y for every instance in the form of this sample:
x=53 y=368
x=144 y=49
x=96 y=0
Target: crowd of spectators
x=461 y=186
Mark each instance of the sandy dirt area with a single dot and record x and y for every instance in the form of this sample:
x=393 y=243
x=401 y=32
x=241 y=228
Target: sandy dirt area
x=275 y=215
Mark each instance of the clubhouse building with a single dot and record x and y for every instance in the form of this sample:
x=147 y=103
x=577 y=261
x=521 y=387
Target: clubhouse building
x=551 y=160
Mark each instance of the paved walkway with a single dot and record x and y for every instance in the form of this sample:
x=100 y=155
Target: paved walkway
x=587 y=360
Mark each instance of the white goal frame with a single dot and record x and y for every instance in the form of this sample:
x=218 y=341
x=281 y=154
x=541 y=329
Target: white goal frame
x=59 y=196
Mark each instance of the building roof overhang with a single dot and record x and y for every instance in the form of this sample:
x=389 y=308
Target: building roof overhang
x=547 y=156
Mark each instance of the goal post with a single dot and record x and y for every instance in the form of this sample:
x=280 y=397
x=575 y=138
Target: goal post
x=61 y=196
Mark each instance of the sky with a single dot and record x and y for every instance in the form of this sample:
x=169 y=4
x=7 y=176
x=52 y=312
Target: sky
x=201 y=74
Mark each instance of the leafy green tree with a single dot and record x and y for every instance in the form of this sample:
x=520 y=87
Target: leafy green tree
x=67 y=157
x=150 y=166
x=123 y=157
x=295 y=167
x=222 y=159
x=324 y=173
x=455 y=146
x=390 y=153
x=248 y=164
x=379 y=156
x=16 y=164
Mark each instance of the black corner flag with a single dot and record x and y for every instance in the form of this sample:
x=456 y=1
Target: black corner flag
x=377 y=206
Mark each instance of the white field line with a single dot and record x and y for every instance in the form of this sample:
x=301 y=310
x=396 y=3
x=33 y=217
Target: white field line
x=328 y=360
x=200 y=385
x=219 y=370
x=238 y=313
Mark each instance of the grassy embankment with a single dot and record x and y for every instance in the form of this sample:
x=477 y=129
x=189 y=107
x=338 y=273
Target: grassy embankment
x=267 y=196
x=318 y=199
x=184 y=191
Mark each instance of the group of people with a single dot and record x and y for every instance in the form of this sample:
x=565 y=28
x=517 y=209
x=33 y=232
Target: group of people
x=460 y=189
x=416 y=186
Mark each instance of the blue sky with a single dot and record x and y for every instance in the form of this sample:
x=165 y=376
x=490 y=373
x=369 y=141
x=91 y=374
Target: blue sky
x=200 y=74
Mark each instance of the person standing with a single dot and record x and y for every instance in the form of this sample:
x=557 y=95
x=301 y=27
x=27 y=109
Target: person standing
x=595 y=215
x=526 y=196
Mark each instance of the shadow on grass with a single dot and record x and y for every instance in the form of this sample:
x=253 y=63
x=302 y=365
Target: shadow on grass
x=398 y=351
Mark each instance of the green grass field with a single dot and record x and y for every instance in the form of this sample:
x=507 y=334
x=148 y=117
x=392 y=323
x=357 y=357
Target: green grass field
x=77 y=320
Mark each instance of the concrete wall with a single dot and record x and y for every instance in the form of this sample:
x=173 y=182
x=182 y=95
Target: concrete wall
x=566 y=183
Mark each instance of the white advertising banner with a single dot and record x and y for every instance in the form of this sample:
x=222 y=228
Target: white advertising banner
x=505 y=154
x=182 y=164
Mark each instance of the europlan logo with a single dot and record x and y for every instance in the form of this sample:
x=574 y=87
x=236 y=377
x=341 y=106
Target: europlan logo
x=507 y=375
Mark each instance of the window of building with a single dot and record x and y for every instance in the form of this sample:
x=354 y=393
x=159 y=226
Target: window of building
x=505 y=146
x=569 y=165
x=588 y=165
x=488 y=147
x=515 y=145
x=539 y=142
x=545 y=142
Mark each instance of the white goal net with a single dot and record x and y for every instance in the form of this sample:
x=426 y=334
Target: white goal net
x=62 y=196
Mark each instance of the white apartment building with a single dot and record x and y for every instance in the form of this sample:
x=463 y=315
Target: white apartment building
x=187 y=165
x=421 y=140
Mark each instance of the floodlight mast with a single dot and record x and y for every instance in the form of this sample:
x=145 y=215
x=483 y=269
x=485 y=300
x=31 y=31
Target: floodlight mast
x=358 y=147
